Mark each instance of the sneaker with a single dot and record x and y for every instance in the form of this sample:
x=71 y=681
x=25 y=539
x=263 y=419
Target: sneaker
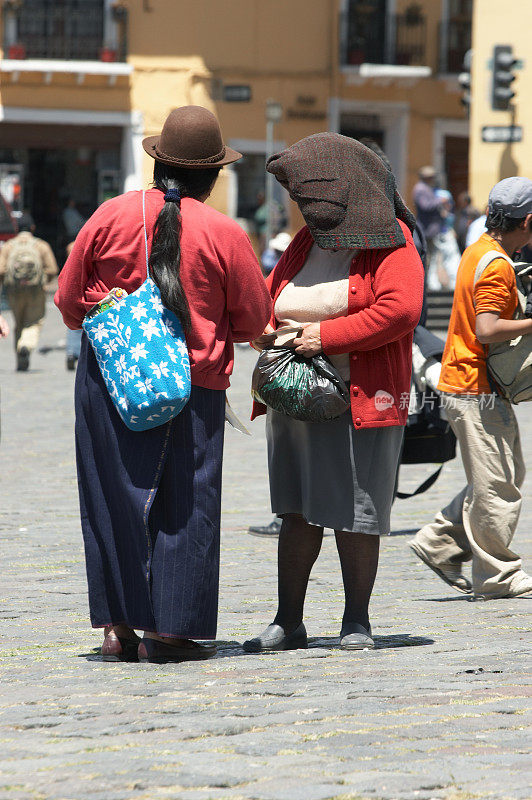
x=450 y=573
x=23 y=359
x=271 y=530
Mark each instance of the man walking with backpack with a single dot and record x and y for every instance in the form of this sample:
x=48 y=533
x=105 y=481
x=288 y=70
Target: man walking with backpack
x=479 y=524
x=26 y=265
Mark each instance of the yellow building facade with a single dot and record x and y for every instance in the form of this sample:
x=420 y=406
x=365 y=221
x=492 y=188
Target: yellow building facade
x=78 y=93
x=492 y=161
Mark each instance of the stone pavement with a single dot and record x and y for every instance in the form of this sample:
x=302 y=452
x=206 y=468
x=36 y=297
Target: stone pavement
x=437 y=711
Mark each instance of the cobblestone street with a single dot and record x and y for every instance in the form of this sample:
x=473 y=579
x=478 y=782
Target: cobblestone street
x=437 y=711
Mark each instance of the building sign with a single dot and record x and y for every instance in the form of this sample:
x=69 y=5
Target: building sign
x=237 y=93
x=502 y=133
x=306 y=113
x=306 y=109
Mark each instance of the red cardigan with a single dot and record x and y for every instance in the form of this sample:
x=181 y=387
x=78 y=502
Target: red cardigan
x=385 y=297
x=227 y=295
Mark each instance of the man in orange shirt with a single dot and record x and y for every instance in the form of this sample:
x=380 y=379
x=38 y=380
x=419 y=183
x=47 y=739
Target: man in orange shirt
x=480 y=522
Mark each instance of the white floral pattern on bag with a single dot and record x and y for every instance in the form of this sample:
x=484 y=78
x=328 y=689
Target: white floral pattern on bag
x=143 y=356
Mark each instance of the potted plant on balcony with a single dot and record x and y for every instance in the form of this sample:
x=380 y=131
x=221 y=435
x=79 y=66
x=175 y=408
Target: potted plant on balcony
x=14 y=49
x=107 y=54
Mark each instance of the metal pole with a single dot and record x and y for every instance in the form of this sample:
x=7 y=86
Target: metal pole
x=269 y=183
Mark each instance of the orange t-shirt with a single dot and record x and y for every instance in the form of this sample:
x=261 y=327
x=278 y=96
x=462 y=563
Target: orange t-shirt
x=464 y=358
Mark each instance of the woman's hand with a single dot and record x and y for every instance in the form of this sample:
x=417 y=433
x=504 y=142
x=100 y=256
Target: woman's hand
x=266 y=338
x=4 y=327
x=308 y=343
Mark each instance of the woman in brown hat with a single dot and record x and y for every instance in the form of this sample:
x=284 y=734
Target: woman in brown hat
x=150 y=501
x=353 y=282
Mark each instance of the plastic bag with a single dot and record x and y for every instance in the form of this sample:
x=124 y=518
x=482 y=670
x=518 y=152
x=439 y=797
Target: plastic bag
x=308 y=389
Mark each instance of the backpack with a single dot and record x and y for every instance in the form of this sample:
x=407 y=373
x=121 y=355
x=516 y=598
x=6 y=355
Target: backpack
x=25 y=266
x=428 y=437
x=510 y=363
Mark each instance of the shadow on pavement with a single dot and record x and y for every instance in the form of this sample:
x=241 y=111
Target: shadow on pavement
x=405 y=532
x=232 y=649
x=464 y=598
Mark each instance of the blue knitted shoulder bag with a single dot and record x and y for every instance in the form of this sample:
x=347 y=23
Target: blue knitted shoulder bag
x=142 y=354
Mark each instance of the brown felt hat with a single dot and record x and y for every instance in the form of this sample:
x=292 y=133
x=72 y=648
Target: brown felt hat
x=191 y=138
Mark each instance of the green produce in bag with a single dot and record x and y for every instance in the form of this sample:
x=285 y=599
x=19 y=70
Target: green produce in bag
x=308 y=389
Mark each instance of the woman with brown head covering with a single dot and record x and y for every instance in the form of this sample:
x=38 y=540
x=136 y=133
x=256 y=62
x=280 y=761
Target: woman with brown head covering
x=352 y=281
x=150 y=500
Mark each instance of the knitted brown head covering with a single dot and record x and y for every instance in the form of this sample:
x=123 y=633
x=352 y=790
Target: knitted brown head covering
x=346 y=194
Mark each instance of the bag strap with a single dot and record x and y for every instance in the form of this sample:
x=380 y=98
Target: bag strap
x=145 y=233
x=486 y=259
x=422 y=487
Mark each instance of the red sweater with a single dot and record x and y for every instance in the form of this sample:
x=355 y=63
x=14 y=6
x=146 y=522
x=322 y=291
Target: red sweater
x=385 y=297
x=227 y=295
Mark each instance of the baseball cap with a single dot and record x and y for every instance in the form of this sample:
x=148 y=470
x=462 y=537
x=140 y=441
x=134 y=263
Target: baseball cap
x=512 y=196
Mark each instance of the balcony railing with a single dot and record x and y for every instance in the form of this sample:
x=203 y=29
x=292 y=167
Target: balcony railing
x=396 y=39
x=455 y=41
x=84 y=30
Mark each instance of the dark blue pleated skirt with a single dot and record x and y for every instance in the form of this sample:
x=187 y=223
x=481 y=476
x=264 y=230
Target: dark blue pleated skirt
x=150 y=510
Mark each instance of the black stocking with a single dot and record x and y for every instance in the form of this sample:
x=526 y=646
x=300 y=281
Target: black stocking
x=359 y=557
x=299 y=547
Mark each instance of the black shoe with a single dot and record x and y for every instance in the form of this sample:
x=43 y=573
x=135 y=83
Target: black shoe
x=355 y=636
x=71 y=363
x=118 y=648
x=156 y=652
x=274 y=638
x=273 y=529
x=23 y=359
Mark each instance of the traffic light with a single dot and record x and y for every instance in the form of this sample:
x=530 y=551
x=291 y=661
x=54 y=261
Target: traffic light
x=502 y=77
x=464 y=79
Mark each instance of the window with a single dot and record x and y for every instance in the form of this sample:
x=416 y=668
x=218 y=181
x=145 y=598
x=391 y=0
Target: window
x=455 y=35
x=366 y=32
x=371 y=35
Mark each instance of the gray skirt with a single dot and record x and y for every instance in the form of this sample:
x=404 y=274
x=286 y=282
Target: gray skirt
x=332 y=474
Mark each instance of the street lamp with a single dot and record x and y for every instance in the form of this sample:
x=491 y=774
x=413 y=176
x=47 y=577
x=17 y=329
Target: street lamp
x=274 y=113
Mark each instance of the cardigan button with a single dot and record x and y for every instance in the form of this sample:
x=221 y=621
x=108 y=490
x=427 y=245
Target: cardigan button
x=356 y=390
x=353 y=290
x=358 y=422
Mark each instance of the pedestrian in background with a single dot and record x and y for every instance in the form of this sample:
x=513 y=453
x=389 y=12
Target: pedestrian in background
x=73 y=338
x=4 y=328
x=476 y=229
x=274 y=251
x=353 y=281
x=150 y=501
x=73 y=221
x=480 y=522
x=466 y=213
x=446 y=244
x=27 y=264
x=429 y=217
x=4 y=331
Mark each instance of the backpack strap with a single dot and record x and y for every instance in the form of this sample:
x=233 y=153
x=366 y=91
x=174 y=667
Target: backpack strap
x=145 y=233
x=422 y=488
x=486 y=259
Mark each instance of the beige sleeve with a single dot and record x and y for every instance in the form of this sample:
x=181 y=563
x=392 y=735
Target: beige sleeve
x=50 y=264
x=4 y=251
